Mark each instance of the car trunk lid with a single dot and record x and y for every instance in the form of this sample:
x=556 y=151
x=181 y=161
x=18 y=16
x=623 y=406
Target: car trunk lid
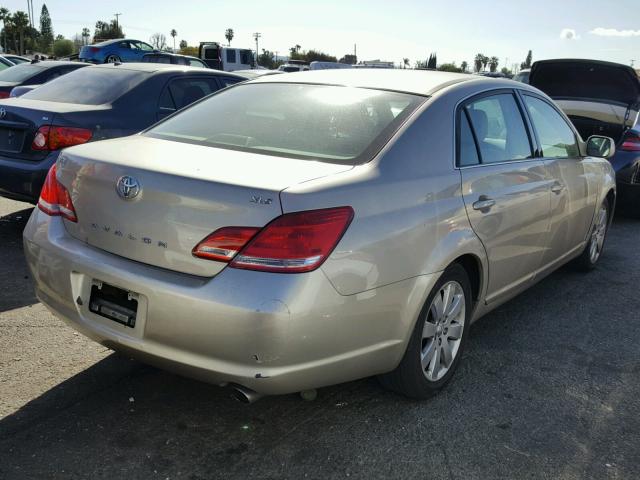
x=21 y=120
x=186 y=192
x=607 y=93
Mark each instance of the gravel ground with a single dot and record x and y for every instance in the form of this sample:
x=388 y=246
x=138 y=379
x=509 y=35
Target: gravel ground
x=548 y=388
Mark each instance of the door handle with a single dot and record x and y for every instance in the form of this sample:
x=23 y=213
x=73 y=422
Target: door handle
x=557 y=188
x=484 y=203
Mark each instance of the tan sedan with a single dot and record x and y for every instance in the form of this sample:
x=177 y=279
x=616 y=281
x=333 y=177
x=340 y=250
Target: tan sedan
x=301 y=230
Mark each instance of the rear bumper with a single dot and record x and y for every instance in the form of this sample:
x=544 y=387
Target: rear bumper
x=628 y=196
x=273 y=333
x=23 y=179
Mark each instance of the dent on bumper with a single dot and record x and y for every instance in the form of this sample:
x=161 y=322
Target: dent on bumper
x=274 y=333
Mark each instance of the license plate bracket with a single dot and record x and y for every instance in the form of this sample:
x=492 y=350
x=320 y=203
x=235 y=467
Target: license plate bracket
x=11 y=140
x=114 y=303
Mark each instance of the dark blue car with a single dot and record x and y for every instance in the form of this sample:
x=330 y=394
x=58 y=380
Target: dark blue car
x=88 y=105
x=600 y=98
x=115 y=51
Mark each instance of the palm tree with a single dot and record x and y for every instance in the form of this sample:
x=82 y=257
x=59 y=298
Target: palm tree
x=405 y=63
x=174 y=34
x=228 y=34
x=20 y=21
x=485 y=61
x=493 y=64
x=4 y=15
x=477 y=62
x=463 y=66
x=86 y=33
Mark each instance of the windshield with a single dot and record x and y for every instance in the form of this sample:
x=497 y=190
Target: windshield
x=318 y=122
x=19 y=73
x=88 y=86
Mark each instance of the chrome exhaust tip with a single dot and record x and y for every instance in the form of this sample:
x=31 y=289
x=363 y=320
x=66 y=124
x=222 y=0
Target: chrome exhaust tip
x=244 y=394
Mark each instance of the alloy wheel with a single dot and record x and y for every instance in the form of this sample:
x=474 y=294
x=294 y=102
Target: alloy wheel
x=597 y=236
x=442 y=331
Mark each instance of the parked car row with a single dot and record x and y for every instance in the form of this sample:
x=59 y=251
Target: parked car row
x=89 y=104
x=300 y=230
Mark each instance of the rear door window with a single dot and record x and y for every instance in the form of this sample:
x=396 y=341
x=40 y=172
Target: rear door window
x=555 y=135
x=185 y=91
x=467 y=150
x=231 y=56
x=499 y=129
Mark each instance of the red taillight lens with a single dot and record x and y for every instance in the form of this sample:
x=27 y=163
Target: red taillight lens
x=295 y=242
x=5 y=94
x=94 y=49
x=55 y=199
x=225 y=243
x=631 y=143
x=55 y=138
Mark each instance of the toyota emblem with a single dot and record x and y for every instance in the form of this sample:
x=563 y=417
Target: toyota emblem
x=128 y=187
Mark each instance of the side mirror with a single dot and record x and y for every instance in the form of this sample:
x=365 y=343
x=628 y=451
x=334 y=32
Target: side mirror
x=603 y=147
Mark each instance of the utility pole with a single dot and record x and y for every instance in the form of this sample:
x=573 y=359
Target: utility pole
x=632 y=63
x=257 y=35
x=117 y=15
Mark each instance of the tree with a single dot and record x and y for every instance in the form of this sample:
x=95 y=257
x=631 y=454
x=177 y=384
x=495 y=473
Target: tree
x=20 y=21
x=449 y=67
x=85 y=36
x=405 y=63
x=228 y=34
x=295 y=50
x=158 y=41
x=349 y=58
x=463 y=67
x=62 y=47
x=485 y=62
x=183 y=44
x=528 y=61
x=267 y=59
x=187 y=50
x=506 y=72
x=493 y=64
x=4 y=16
x=107 y=31
x=432 y=63
x=46 y=30
x=477 y=62
x=174 y=34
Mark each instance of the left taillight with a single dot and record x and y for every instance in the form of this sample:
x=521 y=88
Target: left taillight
x=54 y=137
x=55 y=199
x=4 y=94
x=631 y=142
x=292 y=243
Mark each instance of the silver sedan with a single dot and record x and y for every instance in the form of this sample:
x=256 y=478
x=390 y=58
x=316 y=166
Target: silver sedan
x=298 y=231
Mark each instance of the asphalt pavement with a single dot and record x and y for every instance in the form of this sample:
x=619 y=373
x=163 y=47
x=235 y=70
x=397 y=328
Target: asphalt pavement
x=549 y=388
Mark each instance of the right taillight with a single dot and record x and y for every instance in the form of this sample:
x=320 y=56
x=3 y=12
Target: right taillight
x=631 y=143
x=292 y=243
x=55 y=199
x=54 y=137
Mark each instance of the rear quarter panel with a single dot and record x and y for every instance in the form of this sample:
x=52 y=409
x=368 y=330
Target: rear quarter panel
x=409 y=218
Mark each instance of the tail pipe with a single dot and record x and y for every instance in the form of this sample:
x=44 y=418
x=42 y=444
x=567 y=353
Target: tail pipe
x=244 y=394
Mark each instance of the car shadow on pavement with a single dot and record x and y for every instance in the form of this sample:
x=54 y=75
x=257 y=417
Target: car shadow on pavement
x=15 y=281
x=543 y=392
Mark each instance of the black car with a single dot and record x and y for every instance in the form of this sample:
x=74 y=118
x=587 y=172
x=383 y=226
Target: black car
x=91 y=104
x=173 y=59
x=34 y=74
x=600 y=98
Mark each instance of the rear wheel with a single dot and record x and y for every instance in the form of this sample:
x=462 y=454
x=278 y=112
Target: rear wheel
x=112 y=59
x=595 y=245
x=438 y=338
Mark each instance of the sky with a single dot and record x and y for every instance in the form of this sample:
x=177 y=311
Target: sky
x=386 y=30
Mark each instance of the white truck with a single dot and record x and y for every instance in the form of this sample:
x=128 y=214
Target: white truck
x=228 y=59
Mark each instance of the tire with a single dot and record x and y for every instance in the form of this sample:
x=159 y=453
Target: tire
x=112 y=59
x=410 y=378
x=592 y=253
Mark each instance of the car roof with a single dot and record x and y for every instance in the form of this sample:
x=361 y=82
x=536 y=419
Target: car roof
x=418 y=82
x=161 y=67
x=55 y=63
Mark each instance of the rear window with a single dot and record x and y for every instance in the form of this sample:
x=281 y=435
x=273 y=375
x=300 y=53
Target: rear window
x=315 y=122
x=20 y=73
x=88 y=86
